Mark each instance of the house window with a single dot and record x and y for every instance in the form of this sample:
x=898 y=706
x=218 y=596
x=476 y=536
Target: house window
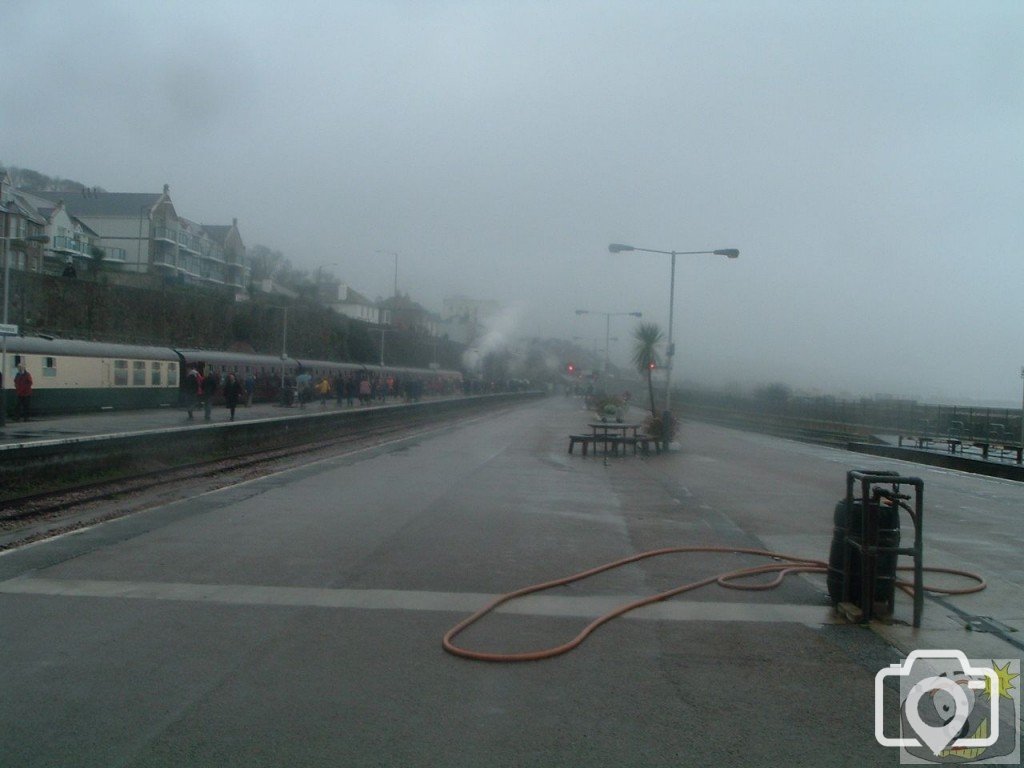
x=120 y=373
x=154 y=374
x=138 y=373
x=49 y=366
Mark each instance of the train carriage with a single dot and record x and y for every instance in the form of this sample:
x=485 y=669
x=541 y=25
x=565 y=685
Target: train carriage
x=77 y=376
x=410 y=383
x=266 y=369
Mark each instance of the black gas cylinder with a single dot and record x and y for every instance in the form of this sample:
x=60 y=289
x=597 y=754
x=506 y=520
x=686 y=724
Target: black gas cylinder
x=847 y=519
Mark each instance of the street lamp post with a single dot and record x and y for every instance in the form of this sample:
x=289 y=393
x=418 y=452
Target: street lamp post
x=382 y=332
x=608 y=327
x=1022 y=408
x=284 y=344
x=731 y=253
x=7 y=330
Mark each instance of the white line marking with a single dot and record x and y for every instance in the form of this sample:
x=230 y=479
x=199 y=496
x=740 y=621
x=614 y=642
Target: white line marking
x=407 y=600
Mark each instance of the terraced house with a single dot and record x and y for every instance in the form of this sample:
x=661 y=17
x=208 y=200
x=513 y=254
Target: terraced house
x=138 y=237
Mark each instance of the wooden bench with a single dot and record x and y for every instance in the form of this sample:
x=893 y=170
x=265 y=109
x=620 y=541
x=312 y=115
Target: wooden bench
x=637 y=442
x=583 y=440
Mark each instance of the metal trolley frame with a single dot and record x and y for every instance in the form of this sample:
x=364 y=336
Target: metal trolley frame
x=873 y=488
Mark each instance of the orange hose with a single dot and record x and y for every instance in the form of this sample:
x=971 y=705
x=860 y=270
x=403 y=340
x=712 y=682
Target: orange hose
x=790 y=564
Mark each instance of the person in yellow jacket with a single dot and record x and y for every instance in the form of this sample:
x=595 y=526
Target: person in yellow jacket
x=323 y=389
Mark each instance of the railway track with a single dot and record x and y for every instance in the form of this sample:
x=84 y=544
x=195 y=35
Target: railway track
x=37 y=516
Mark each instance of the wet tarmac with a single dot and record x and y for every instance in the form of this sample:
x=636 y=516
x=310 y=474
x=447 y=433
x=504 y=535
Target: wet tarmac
x=296 y=619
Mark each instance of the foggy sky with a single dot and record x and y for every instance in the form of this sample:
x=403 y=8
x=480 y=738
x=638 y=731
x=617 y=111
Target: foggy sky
x=866 y=158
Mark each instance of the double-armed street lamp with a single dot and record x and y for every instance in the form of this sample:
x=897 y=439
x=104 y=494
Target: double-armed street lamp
x=731 y=253
x=6 y=329
x=608 y=326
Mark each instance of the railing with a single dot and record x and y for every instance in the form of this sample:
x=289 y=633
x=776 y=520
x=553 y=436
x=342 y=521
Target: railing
x=62 y=243
x=970 y=425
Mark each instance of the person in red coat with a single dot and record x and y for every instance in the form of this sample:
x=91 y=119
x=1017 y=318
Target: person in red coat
x=23 y=389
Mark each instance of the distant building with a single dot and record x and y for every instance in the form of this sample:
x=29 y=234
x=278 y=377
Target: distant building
x=464 y=320
x=407 y=315
x=20 y=220
x=350 y=303
x=267 y=285
x=142 y=234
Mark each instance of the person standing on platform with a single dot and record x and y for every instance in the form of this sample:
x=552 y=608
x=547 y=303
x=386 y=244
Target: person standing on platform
x=304 y=383
x=250 y=389
x=323 y=388
x=351 y=389
x=232 y=394
x=193 y=389
x=23 y=389
x=210 y=383
x=339 y=389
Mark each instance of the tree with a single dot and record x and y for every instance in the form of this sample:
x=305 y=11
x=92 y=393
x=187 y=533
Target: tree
x=647 y=340
x=97 y=255
x=264 y=262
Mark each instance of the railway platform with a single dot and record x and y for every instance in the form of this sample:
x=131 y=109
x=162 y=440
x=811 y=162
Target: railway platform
x=83 y=425
x=296 y=619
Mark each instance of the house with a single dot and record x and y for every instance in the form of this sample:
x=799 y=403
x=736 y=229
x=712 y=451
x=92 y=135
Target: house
x=143 y=234
x=18 y=221
x=407 y=315
x=350 y=303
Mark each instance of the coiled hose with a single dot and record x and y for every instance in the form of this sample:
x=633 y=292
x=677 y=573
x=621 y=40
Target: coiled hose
x=784 y=565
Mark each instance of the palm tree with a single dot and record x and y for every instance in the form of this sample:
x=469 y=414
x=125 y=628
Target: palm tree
x=647 y=339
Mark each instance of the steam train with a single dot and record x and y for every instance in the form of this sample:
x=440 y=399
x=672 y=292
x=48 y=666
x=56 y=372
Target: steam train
x=71 y=376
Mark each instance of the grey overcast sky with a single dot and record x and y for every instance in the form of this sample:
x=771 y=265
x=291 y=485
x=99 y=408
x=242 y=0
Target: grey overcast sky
x=867 y=159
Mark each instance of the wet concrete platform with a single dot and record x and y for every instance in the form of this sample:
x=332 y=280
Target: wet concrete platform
x=296 y=619
x=63 y=427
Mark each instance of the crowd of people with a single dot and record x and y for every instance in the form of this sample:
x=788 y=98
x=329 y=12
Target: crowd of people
x=200 y=390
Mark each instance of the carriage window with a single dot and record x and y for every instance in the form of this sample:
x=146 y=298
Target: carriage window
x=120 y=373
x=49 y=366
x=172 y=374
x=154 y=374
x=138 y=373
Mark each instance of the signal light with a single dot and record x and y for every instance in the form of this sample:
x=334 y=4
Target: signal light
x=651 y=365
x=570 y=368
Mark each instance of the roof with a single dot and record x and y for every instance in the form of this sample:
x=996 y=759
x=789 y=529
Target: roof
x=125 y=204
x=216 y=232
x=41 y=345
x=355 y=297
x=25 y=209
x=402 y=303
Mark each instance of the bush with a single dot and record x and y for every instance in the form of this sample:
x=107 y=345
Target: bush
x=653 y=426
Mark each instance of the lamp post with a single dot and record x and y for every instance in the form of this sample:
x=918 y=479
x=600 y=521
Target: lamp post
x=608 y=327
x=1022 y=408
x=382 y=332
x=731 y=253
x=284 y=343
x=7 y=329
